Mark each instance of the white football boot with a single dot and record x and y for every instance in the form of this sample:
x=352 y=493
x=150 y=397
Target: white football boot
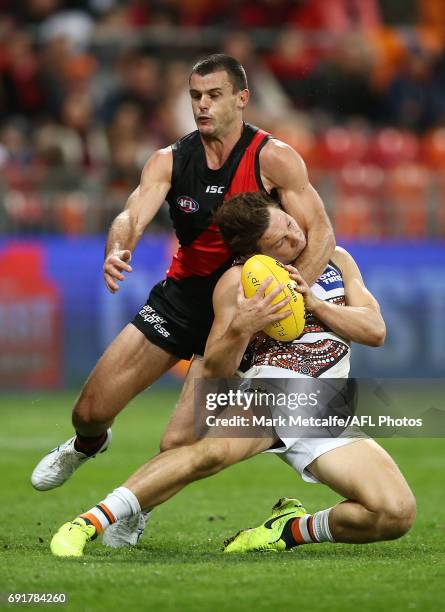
x=127 y=531
x=61 y=463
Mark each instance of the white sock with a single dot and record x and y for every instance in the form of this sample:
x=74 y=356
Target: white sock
x=320 y=526
x=310 y=529
x=119 y=504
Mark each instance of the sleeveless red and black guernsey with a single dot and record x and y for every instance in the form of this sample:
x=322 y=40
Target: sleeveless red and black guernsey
x=178 y=313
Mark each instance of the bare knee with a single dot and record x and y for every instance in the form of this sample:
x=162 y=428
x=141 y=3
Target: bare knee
x=395 y=516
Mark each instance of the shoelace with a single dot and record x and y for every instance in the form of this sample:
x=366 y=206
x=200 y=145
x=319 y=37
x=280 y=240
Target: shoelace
x=67 y=460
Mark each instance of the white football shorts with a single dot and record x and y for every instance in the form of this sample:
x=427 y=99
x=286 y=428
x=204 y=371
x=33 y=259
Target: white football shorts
x=299 y=452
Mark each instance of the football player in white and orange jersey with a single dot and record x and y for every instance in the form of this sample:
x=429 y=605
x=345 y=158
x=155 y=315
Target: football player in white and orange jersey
x=378 y=503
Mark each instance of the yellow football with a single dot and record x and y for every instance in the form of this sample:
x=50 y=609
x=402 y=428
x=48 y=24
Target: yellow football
x=254 y=273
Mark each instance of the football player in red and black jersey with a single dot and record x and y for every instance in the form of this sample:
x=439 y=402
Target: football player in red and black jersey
x=223 y=157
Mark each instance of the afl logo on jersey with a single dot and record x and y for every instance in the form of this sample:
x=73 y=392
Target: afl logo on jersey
x=187 y=204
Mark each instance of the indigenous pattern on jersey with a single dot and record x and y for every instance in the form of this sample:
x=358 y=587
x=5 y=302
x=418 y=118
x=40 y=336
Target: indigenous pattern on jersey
x=318 y=352
x=179 y=313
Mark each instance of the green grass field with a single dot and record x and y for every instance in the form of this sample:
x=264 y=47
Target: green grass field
x=179 y=565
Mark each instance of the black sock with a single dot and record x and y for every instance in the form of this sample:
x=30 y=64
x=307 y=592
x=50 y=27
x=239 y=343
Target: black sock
x=89 y=445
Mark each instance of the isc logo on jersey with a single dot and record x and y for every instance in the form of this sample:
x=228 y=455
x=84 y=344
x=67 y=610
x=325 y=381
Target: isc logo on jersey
x=187 y=204
x=215 y=189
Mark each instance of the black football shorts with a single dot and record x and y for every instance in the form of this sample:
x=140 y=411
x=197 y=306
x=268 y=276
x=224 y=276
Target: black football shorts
x=176 y=319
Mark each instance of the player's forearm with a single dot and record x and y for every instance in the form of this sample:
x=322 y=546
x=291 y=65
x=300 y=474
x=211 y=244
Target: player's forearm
x=312 y=262
x=124 y=233
x=142 y=204
x=223 y=356
x=356 y=324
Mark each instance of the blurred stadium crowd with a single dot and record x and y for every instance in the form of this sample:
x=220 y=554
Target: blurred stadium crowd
x=89 y=88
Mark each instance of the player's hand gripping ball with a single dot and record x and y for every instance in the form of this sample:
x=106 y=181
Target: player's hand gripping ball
x=254 y=273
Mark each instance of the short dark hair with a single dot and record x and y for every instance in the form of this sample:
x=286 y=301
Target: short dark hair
x=221 y=61
x=243 y=219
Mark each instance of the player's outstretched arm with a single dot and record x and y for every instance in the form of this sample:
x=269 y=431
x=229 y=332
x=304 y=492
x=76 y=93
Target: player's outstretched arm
x=360 y=320
x=236 y=320
x=141 y=207
x=282 y=168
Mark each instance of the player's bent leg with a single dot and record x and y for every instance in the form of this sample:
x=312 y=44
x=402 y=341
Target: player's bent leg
x=181 y=428
x=180 y=431
x=169 y=472
x=155 y=482
x=379 y=503
x=129 y=365
x=175 y=469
